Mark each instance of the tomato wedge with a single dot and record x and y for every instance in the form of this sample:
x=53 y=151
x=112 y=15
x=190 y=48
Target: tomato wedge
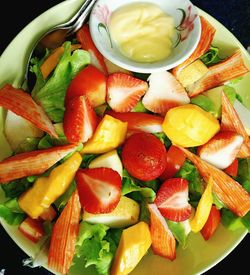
x=232 y=169
x=175 y=160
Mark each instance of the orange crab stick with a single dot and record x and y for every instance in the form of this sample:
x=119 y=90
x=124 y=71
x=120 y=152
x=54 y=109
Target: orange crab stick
x=228 y=191
x=218 y=74
x=207 y=36
x=64 y=235
x=230 y=121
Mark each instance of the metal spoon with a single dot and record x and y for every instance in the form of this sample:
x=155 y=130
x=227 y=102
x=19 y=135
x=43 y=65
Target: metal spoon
x=56 y=36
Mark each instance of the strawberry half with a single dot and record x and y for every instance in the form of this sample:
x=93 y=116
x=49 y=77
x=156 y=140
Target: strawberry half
x=163 y=240
x=124 y=91
x=164 y=92
x=99 y=189
x=80 y=120
x=172 y=200
x=222 y=149
x=140 y=122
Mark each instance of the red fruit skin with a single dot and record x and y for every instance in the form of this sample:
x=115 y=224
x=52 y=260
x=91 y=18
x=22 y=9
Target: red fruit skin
x=175 y=160
x=211 y=224
x=80 y=120
x=144 y=156
x=232 y=169
x=90 y=82
x=172 y=200
x=32 y=229
x=99 y=189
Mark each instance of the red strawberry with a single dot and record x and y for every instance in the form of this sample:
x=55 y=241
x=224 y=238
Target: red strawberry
x=124 y=91
x=22 y=104
x=80 y=120
x=232 y=169
x=164 y=92
x=163 y=241
x=172 y=200
x=212 y=223
x=144 y=156
x=90 y=82
x=32 y=163
x=139 y=122
x=84 y=37
x=222 y=149
x=32 y=229
x=99 y=189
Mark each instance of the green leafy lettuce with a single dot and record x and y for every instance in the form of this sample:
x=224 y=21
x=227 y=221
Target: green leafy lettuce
x=96 y=245
x=50 y=94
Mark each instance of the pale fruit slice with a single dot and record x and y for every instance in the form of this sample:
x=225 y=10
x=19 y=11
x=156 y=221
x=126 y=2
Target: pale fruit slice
x=244 y=115
x=17 y=129
x=108 y=160
x=125 y=214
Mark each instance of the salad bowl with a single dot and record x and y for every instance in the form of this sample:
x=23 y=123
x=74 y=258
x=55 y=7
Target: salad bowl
x=199 y=256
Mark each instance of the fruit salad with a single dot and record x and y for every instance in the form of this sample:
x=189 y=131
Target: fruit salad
x=108 y=165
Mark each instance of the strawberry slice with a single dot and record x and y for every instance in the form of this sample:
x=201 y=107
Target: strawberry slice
x=64 y=236
x=124 y=91
x=144 y=156
x=230 y=121
x=172 y=200
x=211 y=224
x=32 y=163
x=21 y=103
x=164 y=92
x=139 y=122
x=32 y=229
x=222 y=149
x=228 y=191
x=80 y=120
x=84 y=37
x=163 y=241
x=90 y=82
x=99 y=189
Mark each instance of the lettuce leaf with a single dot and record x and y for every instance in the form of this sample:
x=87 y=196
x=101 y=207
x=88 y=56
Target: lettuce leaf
x=211 y=57
x=15 y=188
x=50 y=94
x=11 y=213
x=97 y=246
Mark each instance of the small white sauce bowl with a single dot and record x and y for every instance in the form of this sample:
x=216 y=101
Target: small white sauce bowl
x=187 y=25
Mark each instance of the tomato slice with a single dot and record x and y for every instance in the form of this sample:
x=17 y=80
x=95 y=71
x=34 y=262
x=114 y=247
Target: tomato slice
x=232 y=169
x=175 y=159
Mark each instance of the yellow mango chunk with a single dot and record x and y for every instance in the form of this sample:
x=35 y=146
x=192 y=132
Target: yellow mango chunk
x=134 y=244
x=109 y=134
x=189 y=125
x=47 y=189
x=192 y=73
x=203 y=208
x=125 y=214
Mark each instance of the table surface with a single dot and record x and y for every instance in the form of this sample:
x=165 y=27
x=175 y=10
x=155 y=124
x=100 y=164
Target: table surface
x=233 y=14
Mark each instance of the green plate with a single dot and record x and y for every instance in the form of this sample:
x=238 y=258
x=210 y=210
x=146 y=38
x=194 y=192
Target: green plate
x=200 y=255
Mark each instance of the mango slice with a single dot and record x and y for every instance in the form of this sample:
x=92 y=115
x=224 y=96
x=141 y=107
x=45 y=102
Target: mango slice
x=189 y=125
x=110 y=134
x=134 y=244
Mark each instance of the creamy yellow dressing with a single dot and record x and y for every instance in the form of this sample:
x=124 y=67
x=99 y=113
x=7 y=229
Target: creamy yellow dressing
x=142 y=31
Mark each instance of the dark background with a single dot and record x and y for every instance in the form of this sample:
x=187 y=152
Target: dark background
x=233 y=14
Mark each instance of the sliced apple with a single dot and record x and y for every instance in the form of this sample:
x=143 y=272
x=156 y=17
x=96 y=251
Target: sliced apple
x=125 y=214
x=17 y=129
x=244 y=114
x=108 y=160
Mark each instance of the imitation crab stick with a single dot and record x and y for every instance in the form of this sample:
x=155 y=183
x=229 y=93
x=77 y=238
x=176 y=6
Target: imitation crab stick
x=52 y=60
x=21 y=103
x=32 y=163
x=228 y=191
x=218 y=74
x=230 y=121
x=64 y=235
x=207 y=35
